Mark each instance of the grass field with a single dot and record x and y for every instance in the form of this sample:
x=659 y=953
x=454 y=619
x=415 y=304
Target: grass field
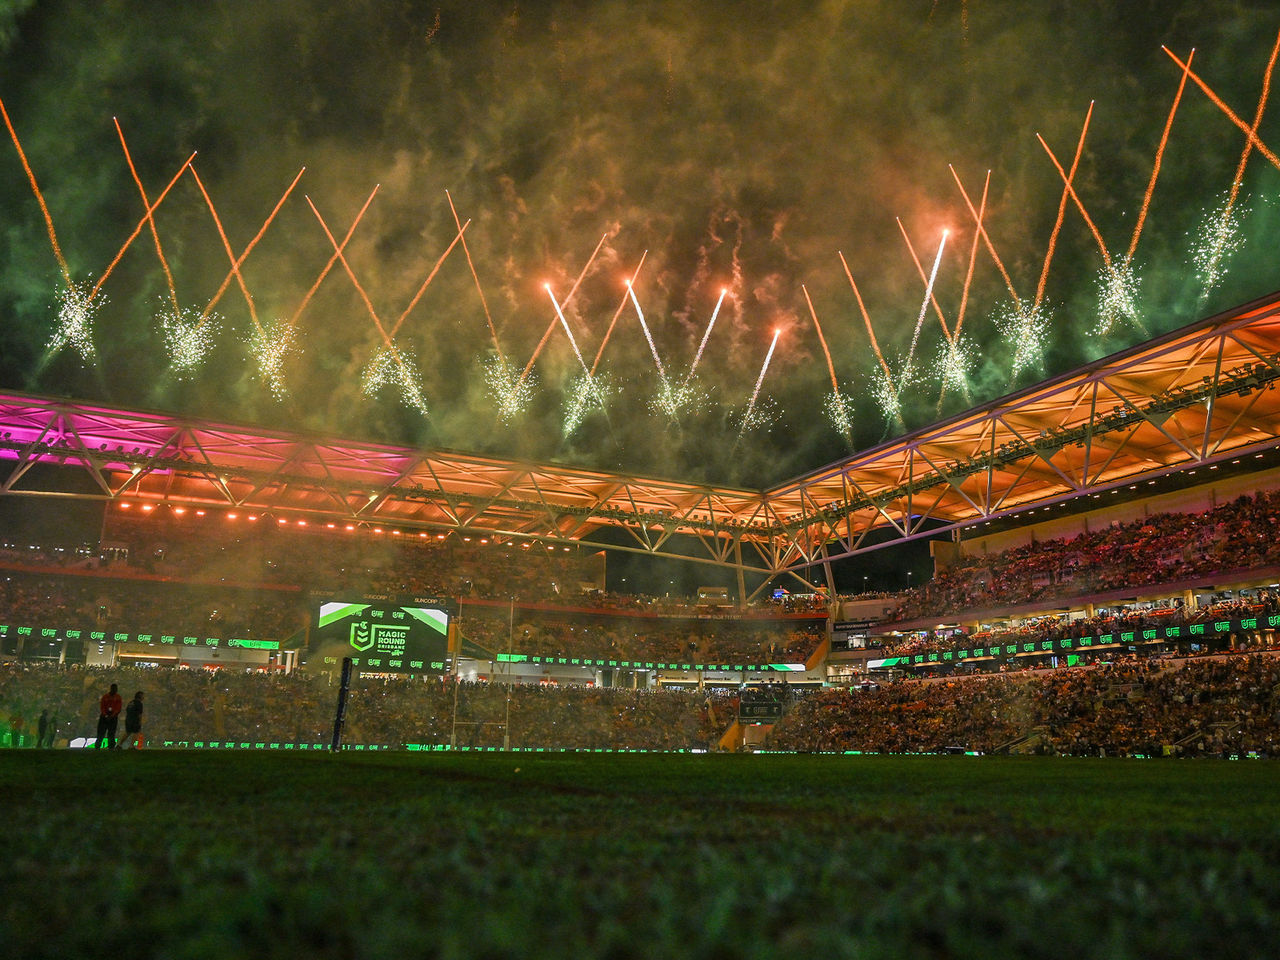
x=191 y=854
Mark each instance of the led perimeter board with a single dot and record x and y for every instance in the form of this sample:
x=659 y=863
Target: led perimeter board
x=384 y=635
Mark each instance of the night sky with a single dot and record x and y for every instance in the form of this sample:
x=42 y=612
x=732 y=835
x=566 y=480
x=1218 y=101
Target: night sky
x=741 y=151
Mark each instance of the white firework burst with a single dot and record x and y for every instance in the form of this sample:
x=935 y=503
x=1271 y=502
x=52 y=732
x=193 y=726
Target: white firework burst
x=953 y=363
x=1218 y=237
x=511 y=393
x=272 y=347
x=761 y=415
x=1024 y=328
x=587 y=392
x=188 y=337
x=1118 y=289
x=839 y=410
x=670 y=400
x=391 y=368
x=74 y=325
x=885 y=396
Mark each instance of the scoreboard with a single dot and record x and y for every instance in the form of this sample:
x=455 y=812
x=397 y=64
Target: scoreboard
x=382 y=635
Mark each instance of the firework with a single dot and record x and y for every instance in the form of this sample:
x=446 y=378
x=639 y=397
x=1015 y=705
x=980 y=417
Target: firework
x=35 y=188
x=952 y=365
x=885 y=393
x=706 y=336
x=586 y=386
x=1024 y=328
x=761 y=415
x=747 y=422
x=355 y=282
x=671 y=401
x=74 y=326
x=333 y=258
x=657 y=361
x=866 y=319
x=493 y=331
x=537 y=351
x=510 y=392
x=1155 y=167
x=395 y=328
x=982 y=231
x=1214 y=242
x=1118 y=290
x=616 y=314
x=188 y=336
x=928 y=282
x=839 y=410
x=1062 y=204
x=390 y=368
x=151 y=222
x=272 y=348
x=905 y=377
x=1231 y=115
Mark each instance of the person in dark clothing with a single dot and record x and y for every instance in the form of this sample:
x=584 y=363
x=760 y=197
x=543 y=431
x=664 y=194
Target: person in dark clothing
x=108 y=717
x=133 y=723
x=42 y=728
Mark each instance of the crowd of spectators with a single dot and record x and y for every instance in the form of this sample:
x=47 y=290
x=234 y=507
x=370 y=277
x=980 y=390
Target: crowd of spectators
x=1161 y=548
x=234 y=706
x=1208 y=706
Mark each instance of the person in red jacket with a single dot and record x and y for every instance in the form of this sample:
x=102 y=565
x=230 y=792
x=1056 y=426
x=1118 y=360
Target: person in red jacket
x=109 y=708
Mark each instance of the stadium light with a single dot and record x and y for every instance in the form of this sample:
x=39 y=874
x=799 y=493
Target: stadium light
x=233 y=516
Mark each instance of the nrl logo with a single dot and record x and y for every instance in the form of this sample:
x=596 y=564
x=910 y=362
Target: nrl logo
x=361 y=636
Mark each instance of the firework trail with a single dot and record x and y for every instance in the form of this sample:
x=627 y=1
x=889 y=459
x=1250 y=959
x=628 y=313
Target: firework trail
x=904 y=378
x=707 y=336
x=237 y=261
x=929 y=297
x=616 y=314
x=395 y=328
x=338 y=252
x=155 y=234
x=537 y=351
x=1062 y=210
x=973 y=258
x=567 y=331
x=368 y=304
x=138 y=229
x=277 y=344
x=835 y=405
x=1224 y=230
x=188 y=336
x=1155 y=167
x=35 y=188
x=1231 y=115
x=982 y=231
x=493 y=331
x=746 y=419
x=657 y=361
x=866 y=319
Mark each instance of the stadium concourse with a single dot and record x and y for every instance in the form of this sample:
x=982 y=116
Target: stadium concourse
x=1105 y=580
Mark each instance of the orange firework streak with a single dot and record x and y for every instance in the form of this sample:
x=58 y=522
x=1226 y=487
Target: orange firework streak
x=866 y=319
x=493 y=331
x=982 y=231
x=1253 y=130
x=333 y=257
x=1106 y=256
x=151 y=222
x=138 y=229
x=973 y=256
x=236 y=261
x=1155 y=167
x=355 y=282
x=1062 y=209
x=617 y=313
x=831 y=367
x=426 y=283
x=35 y=188
x=932 y=299
x=552 y=325
x=1217 y=101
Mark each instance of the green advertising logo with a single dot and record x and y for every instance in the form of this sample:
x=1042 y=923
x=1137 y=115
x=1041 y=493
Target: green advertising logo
x=361 y=635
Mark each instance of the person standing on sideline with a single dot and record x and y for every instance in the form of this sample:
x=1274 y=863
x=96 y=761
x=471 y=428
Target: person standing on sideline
x=133 y=723
x=42 y=728
x=108 y=717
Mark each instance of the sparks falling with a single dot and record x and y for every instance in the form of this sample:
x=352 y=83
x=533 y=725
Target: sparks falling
x=272 y=349
x=390 y=368
x=746 y=419
x=839 y=410
x=511 y=392
x=188 y=336
x=1215 y=241
x=1024 y=327
x=953 y=363
x=586 y=386
x=74 y=326
x=885 y=393
x=1118 y=288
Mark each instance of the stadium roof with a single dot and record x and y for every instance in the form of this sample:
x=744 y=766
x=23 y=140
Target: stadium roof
x=1201 y=394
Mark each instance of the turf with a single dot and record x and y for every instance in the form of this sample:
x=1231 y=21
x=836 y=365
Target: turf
x=188 y=854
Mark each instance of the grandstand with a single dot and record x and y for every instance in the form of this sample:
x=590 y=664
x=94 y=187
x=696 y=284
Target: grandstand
x=1122 y=511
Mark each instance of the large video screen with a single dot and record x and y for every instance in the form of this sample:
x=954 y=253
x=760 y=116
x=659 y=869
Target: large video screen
x=409 y=635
